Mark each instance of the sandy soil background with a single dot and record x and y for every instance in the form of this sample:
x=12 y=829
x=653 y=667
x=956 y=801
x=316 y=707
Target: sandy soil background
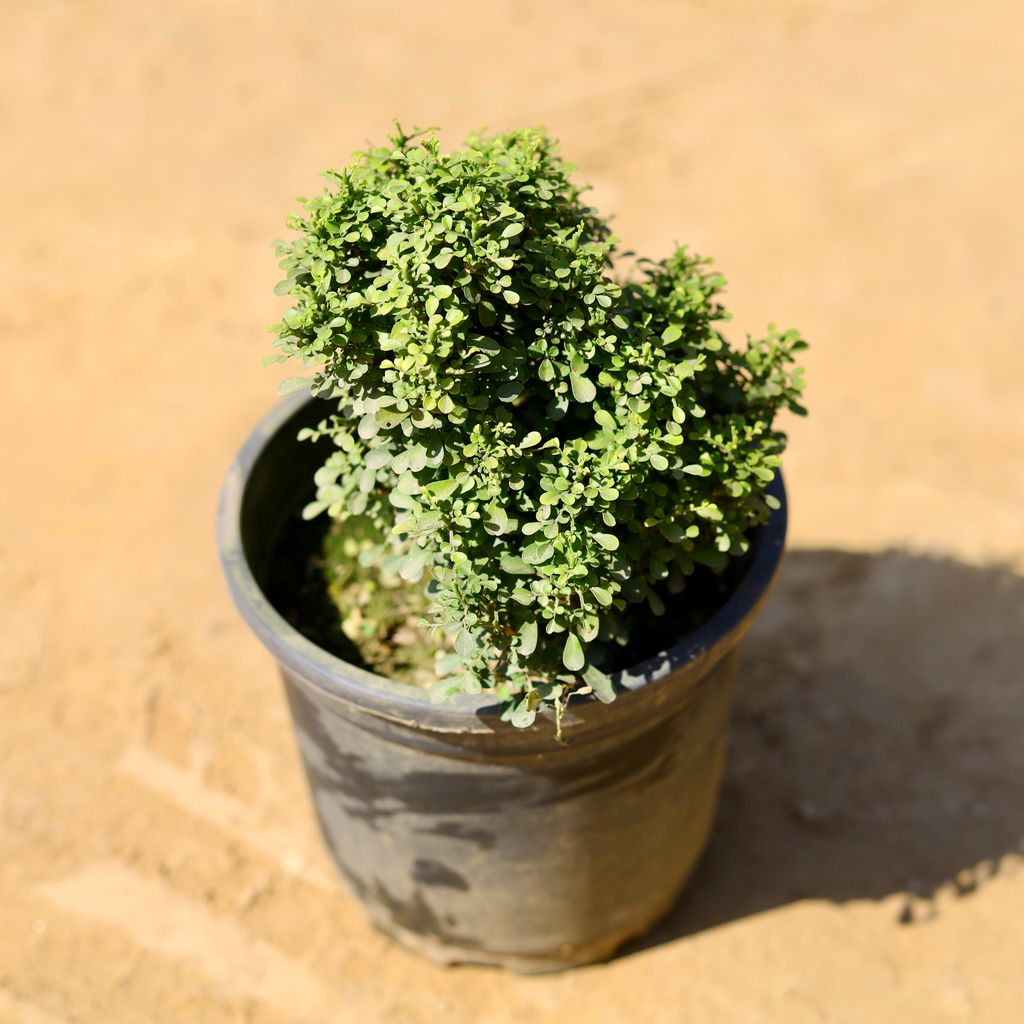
x=855 y=166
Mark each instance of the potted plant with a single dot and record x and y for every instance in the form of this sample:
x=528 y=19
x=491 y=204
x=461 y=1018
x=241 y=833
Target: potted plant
x=552 y=492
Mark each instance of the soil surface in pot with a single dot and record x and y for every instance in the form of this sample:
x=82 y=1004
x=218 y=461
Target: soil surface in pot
x=373 y=621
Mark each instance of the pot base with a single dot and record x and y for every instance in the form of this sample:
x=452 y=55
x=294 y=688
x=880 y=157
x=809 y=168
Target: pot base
x=563 y=959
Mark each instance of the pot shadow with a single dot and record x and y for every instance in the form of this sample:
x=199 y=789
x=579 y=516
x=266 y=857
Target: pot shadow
x=877 y=744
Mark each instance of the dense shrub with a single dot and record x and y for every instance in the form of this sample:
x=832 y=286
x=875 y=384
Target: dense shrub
x=549 y=447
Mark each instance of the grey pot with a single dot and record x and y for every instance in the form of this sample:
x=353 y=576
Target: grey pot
x=464 y=838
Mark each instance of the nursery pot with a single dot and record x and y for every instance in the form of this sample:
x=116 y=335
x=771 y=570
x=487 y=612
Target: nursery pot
x=469 y=840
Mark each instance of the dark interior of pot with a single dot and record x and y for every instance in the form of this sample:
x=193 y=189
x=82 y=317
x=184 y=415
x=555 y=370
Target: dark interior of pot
x=278 y=485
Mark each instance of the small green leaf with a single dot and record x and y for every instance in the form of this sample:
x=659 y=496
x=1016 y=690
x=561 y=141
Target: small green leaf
x=399 y=499
x=442 y=489
x=671 y=333
x=408 y=484
x=573 y=657
x=523 y=715
x=465 y=643
x=712 y=559
x=538 y=552
x=582 y=389
x=709 y=511
x=413 y=564
x=418 y=526
x=292 y=384
x=378 y=458
x=602 y=686
x=607 y=540
x=390 y=418
x=314 y=508
x=514 y=565
x=528 y=639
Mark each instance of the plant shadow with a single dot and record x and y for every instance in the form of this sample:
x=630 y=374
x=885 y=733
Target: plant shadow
x=877 y=744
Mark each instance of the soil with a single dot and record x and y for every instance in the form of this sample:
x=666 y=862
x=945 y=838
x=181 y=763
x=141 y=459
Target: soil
x=356 y=613
x=855 y=169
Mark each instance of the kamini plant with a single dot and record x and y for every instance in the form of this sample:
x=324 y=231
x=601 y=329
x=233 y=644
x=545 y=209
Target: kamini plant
x=550 y=448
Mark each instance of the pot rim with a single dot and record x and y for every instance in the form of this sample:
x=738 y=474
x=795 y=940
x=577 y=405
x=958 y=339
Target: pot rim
x=411 y=706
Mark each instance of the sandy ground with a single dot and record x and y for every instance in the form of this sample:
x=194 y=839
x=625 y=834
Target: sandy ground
x=856 y=168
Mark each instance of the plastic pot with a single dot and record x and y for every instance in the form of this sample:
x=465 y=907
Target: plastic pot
x=464 y=838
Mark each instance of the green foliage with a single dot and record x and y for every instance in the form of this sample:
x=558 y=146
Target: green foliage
x=552 y=447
